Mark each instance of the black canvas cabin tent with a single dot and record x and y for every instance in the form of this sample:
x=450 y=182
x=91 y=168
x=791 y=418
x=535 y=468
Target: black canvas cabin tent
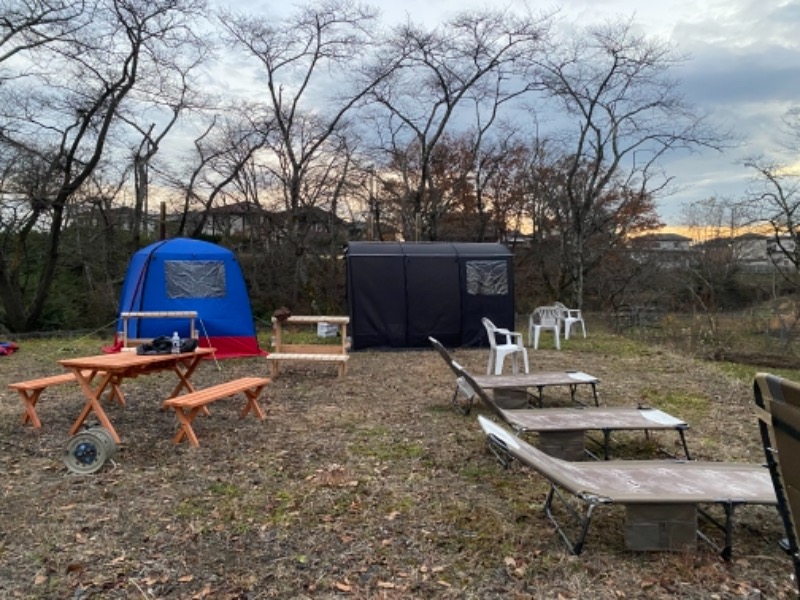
x=399 y=293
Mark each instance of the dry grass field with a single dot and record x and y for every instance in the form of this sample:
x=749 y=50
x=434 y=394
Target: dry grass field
x=368 y=486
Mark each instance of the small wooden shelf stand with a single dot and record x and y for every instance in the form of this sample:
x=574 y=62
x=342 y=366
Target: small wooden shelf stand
x=322 y=353
x=131 y=343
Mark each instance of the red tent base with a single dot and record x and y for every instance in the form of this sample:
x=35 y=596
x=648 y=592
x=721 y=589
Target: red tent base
x=232 y=347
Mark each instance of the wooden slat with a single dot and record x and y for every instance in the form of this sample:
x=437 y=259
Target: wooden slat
x=186 y=314
x=308 y=349
x=42 y=382
x=121 y=361
x=311 y=357
x=216 y=392
x=310 y=319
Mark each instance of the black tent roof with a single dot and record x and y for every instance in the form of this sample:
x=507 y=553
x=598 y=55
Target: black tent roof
x=427 y=249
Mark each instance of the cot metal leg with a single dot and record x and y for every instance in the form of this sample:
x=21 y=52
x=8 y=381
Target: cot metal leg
x=540 y=395
x=606 y=443
x=583 y=520
x=726 y=526
x=682 y=433
x=498 y=448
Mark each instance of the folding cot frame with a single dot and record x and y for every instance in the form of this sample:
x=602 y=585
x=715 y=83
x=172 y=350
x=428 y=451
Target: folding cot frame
x=554 y=420
x=582 y=419
x=466 y=407
x=778 y=410
x=629 y=483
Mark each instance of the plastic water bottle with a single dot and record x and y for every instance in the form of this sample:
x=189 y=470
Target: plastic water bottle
x=176 y=343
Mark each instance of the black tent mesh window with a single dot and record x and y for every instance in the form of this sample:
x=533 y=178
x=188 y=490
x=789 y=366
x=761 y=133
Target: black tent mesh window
x=487 y=277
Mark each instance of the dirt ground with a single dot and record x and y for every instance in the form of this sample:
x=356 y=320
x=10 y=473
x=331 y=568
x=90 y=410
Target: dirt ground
x=368 y=486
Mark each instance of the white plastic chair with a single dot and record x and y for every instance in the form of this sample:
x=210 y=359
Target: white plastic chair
x=512 y=345
x=570 y=316
x=547 y=318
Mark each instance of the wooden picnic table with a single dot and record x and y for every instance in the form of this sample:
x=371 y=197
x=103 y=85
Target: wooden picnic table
x=95 y=373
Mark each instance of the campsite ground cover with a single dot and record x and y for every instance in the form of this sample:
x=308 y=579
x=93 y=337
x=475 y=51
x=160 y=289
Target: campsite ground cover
x=369 y=486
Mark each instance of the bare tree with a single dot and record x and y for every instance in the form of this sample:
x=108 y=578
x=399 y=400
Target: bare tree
x=774 y=196
x=26 y=25
x=166 y=106
x=222 y=152
x=615 y=89
x=473 y=192
x=318 y=65
x=617 y=212
x=774 y=199
x=63 y=128
x=714 y=217
x=500 y=183
x=472 y=61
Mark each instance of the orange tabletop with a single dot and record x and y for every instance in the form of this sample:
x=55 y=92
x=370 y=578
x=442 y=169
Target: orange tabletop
x=95 y=373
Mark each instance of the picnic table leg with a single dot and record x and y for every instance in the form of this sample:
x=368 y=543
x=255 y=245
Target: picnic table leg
x=116 y=391
x=93 y=403
x=184 y=369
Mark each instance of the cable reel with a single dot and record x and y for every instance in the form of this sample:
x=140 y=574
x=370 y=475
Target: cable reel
x=87 y=451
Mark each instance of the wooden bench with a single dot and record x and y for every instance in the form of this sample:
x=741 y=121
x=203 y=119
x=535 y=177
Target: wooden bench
x=319 y=353
x=189 y=405
x=30 y=390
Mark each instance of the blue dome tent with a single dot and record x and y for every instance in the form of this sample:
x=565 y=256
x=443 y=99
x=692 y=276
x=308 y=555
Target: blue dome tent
x=190 y=275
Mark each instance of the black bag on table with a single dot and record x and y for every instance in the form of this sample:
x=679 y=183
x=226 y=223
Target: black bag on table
x=163 y=345
x=160 y=345
x=188 y=345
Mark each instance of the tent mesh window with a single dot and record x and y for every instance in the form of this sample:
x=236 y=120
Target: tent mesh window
x=195 y=279
x=487 y=277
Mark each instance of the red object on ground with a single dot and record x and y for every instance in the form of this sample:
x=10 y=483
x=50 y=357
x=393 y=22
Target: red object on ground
x=7 y=348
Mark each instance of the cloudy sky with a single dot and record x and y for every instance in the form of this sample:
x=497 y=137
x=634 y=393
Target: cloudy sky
x=743 y=67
